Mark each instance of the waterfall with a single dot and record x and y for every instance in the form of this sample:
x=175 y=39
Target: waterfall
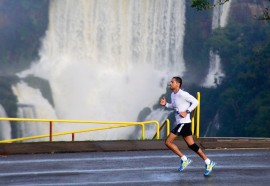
x=215 y=74
x=213 y=127
x=31 y=104
x=5 y=129
x=110 y=59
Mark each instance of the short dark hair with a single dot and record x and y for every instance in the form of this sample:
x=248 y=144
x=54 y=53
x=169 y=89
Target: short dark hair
x=178 y=79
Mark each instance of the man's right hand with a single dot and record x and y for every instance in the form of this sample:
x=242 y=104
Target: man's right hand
x=163 y=101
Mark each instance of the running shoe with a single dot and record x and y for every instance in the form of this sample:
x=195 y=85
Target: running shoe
x=209 y=167
x=184 y=164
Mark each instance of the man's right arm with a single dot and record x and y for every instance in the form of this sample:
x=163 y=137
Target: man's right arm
x=163 y=102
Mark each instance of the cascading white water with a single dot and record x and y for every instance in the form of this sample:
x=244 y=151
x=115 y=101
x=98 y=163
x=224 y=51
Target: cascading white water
x=5 y=129
x=109 y=59
x=215 y=74
x=31 y=104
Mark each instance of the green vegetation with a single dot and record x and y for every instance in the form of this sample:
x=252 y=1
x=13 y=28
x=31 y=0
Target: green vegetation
x=208 y=4
x=197 y=31
x=242 y=100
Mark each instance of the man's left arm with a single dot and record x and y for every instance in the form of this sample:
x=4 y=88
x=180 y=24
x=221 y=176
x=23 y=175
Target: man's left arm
x=193 y=102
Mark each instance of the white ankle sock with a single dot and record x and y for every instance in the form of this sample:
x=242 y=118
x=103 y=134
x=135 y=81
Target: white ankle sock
x=207 y=161
x=184 y=158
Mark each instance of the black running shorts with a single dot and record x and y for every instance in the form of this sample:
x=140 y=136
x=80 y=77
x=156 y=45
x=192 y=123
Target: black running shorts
x=182 y=129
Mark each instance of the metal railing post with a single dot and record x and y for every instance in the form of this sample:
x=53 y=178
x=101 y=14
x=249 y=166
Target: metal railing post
x=198 y=115
x=167 y=123
x=168 y=127
x=73 y=136
x=157 y=129
x=143 y=131
x=192 y=122
x=50 y=131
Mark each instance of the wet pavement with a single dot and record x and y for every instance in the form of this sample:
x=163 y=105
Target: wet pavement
x=234 y=167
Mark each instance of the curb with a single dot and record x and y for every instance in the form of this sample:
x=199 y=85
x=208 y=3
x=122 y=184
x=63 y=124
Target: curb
x=129 y=145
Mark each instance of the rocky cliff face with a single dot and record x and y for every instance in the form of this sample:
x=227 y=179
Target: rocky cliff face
x=244 y=11
x=22 y=24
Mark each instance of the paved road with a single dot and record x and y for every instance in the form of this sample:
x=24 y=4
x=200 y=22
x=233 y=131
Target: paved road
x=235 y=167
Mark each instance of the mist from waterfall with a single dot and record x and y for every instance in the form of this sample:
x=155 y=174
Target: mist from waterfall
x=110 y=59
x=220 y=19
x=31 y=104
x=5 y=129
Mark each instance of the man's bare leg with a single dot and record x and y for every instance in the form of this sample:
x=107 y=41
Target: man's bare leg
x=189 y=140
x=184 y=160
x=170 y=144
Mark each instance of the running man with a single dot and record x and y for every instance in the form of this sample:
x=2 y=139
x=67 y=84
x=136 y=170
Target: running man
x=183 y=104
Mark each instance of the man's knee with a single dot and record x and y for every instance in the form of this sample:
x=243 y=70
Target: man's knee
x=168 y=142
x=194 y=147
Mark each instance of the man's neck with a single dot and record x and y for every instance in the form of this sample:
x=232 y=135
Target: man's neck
x=176 y=90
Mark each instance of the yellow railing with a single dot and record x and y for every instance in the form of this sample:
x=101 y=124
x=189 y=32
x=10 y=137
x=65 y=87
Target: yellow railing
x=167 y=123
x=61 y=133
x=50 y=121
x=195 y=114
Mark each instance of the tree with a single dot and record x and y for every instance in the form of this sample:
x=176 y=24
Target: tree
x=242 y=100
x=206 y=4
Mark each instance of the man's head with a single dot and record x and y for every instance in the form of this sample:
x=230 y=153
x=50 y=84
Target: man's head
x=175 y=83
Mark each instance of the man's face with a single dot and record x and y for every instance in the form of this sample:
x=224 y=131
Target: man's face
x=174 y=84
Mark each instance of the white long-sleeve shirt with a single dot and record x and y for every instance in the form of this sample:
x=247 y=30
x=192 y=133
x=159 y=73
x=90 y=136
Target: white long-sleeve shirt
x=182 y=101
